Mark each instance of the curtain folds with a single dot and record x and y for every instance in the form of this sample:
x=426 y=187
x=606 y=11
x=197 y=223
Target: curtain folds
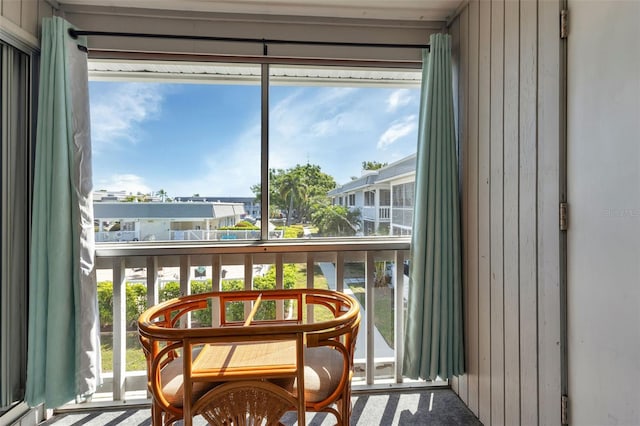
x=63 y=353
x=434 y=329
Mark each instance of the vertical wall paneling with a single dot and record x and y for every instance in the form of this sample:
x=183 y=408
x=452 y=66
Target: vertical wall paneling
x=472 y=351
x=527 y=214
x=484 y=243
x=496 y=217
x=44 y=9
x=454 y=31
x=508 y=104
x=511 y=210
x=11 y=10
x=20 y=22
x=29 y=16
x=463 y=107
x=549 y=376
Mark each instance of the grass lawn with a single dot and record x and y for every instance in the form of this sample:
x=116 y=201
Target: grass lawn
x=135 y=356
x=383 y=306
x=383 y=309
x=320 y=313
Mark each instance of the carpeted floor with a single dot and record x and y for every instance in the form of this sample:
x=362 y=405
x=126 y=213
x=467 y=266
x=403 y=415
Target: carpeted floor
x=428 y=407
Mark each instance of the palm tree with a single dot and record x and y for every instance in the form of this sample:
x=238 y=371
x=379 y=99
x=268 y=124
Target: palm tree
x=162 y=194
x=290 y=190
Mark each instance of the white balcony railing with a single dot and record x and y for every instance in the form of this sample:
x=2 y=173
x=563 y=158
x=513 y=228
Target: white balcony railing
x=380 y=214
x=185 y=235
x=364 y=268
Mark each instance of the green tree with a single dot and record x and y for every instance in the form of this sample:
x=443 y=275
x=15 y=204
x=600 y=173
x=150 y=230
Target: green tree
x=162 y=194
x=336 y=221
x=372 y=165
x=296 y=189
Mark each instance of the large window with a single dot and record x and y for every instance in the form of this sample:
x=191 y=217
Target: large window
x=402 y=209
x=369 y=198
x=184 y=156
x=15 y=189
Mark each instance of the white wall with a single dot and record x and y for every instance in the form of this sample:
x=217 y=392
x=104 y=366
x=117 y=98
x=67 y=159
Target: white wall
x=604 y=199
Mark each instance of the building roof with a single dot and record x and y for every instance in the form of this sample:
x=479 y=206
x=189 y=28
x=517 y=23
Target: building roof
x=361 y=182
x=191 y=210
x=245 y=200
x=402 y=167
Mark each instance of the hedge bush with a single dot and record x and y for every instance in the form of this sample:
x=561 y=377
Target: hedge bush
x=136 y=303
x=136 y=298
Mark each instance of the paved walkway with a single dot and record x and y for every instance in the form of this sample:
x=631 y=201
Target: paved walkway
x=380 y=347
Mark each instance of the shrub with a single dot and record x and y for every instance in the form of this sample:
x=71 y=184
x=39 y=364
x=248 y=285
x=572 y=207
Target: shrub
x=243 y=225
x=294 y=231
x=136 y=297
x=136 y=303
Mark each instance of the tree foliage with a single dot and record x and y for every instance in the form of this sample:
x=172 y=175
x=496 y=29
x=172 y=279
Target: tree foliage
x=336 y=221
x=136 y=303
x=297 y=190
x=372 y=165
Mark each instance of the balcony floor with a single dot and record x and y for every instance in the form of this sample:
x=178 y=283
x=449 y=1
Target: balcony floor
x=432 y=406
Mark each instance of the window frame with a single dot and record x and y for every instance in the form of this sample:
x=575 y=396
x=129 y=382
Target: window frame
x=265 y=83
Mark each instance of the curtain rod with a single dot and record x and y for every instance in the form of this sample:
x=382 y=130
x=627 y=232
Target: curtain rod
x=264 y=41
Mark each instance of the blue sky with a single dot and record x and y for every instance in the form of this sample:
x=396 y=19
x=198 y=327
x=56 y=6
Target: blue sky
x=205 y=138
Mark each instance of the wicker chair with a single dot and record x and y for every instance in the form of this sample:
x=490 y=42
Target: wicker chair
x=247 y=372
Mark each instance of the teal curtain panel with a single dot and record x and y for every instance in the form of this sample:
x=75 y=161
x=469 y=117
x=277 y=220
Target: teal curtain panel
x=434 y=328
x=63 y=346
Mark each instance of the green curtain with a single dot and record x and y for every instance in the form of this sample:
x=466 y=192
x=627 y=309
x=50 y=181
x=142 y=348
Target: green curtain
x=63 y=348
x=433 y=342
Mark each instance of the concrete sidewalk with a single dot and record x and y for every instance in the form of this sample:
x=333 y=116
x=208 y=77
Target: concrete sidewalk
x=380 y=347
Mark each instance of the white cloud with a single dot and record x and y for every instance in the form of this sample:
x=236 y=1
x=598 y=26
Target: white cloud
x=117 y=112
x=309 y=123
x=231 y=170
x=397 y=130
x=124 y=182
x=303 y=115
x=398 y=98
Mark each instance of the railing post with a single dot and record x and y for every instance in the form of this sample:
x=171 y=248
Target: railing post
x=279 y=285
x=119 y=329
x=216 y=285
x=185 y=285
x=152 y=281
x=310 y=283
x=248 y=280
x=398 y=320
x=369 y=314
x=340 y=271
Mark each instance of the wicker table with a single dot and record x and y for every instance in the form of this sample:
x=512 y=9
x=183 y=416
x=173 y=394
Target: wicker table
x=252 y=368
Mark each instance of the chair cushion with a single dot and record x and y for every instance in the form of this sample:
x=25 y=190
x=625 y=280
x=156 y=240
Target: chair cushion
x=322 y=374
x=172 y=383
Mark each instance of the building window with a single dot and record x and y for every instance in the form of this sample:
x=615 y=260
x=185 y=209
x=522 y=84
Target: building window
x=369 y=198
x=385 y=197
x=16 y=81
x=402 y=209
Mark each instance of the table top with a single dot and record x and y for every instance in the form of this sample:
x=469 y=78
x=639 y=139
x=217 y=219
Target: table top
x=218 y=361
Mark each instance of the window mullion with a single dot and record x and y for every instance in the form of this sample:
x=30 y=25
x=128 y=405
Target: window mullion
x=264 y=150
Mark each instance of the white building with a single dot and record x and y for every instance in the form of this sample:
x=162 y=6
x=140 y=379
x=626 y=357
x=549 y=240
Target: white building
x=385 y=197
x=118 y=221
